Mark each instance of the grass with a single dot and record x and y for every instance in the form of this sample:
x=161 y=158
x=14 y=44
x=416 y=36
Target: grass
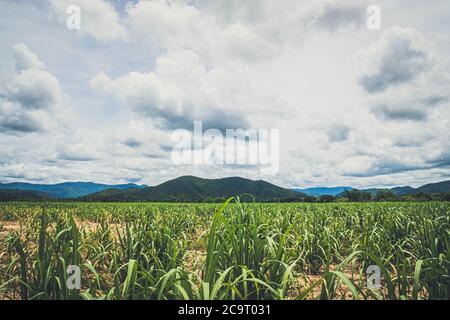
x=229 y=251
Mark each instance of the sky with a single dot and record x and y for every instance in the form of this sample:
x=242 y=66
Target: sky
x=354 y=106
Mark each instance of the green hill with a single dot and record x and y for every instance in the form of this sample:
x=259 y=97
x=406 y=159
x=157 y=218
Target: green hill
x=193 y=189
x=440 y=187
x=22 y=195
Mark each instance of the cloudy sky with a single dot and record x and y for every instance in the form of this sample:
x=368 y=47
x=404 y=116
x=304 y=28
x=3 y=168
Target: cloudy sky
x=353 y=106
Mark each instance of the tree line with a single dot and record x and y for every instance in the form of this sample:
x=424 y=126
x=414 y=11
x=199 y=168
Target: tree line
x=382 y=195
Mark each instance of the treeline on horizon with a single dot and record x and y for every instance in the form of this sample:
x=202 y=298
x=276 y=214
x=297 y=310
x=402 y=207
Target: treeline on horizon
x=365 y=196
x=382 y=195
x=347 y=196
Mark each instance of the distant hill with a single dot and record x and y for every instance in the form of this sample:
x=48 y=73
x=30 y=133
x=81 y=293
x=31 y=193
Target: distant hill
x=192 y=189
x=317 y=192
x=400 y=191
x=22 y=195
x=66 y=190
x=439 y=187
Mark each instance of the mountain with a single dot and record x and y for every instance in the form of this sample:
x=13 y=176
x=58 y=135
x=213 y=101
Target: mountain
x=440 y=187
x=192 y=189
x=317 y=192
x=400 y=191
x=22 y=195
x=66 y=190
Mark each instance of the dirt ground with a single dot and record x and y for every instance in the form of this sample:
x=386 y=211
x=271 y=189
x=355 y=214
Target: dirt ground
x=7 y=227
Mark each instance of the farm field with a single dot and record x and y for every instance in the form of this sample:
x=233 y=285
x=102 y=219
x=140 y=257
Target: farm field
x=225 y=251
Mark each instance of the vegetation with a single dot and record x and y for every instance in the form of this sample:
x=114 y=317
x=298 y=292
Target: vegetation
x=229 y=251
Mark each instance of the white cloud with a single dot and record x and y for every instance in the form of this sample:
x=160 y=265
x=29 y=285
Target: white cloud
x=335 y=14
x=78 y=152
x=285 y=64
x=22 y=172
x=174 y=25
x=33 y=100
x=25 y=59
x=179 y=91
x=398 y=57
x=407 y=82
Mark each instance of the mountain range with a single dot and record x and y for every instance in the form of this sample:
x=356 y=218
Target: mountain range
x=65 y=190
x=187 y=189
x=439 y=187
x=321 y=191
